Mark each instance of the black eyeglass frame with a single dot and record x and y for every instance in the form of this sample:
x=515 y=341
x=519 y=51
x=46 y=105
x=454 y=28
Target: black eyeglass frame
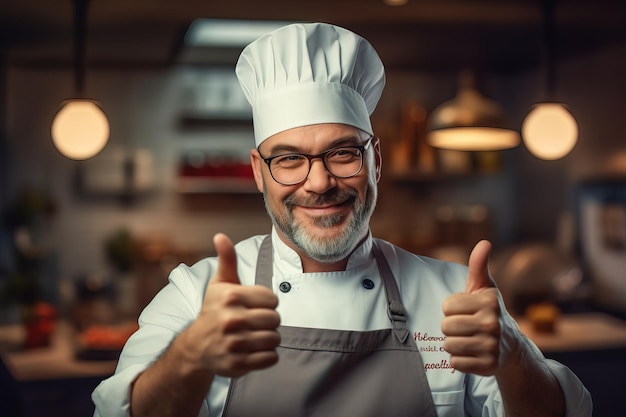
x=321 y=156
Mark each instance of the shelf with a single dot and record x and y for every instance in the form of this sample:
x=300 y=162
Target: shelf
x=416 y=177
x=201 y=185
x=206 y=120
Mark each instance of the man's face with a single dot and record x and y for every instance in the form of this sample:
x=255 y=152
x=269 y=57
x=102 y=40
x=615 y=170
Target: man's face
x=322 y=217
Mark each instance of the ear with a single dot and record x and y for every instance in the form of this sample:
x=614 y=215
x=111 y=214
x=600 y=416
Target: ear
x=257 y=168
x=378 y=157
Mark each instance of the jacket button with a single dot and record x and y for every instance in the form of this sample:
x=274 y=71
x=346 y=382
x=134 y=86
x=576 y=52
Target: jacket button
x=368 y=284
x=284 y=287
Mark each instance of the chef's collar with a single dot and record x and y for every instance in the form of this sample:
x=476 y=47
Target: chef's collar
x=287 y=261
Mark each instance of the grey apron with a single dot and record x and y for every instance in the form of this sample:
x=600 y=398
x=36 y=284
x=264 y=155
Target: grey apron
x=324 y=372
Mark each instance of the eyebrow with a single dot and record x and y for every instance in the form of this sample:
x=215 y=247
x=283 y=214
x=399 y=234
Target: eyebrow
x=279 y=148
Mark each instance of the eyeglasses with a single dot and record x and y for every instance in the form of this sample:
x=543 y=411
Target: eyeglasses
x=341 y=162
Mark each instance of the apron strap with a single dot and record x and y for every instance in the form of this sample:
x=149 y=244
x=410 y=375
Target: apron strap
x=264 y=263
x=395 y=309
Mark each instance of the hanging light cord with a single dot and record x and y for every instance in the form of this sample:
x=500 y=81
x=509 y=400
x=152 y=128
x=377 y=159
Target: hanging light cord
x=80 y=18
x=549 y=33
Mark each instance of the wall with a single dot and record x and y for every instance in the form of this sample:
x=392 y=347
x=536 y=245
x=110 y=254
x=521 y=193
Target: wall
x=593 y=86
x=527 y=197
x=143 y=109
x=3 y=114
x=407 y=209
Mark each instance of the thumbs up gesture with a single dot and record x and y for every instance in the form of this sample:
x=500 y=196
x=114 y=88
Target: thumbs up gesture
x=473 y=323
x=236 y=330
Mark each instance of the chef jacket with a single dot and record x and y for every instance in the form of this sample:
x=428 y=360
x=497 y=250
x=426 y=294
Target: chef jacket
x=353 y=299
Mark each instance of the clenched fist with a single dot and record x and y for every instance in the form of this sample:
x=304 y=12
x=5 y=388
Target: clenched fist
x=472 y=322
x=236 y=330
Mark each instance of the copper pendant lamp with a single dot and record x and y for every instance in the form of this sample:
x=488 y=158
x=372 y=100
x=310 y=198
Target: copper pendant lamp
x=470 y=122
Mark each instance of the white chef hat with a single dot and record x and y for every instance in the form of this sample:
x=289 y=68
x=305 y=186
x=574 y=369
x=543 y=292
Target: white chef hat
x=304 y=74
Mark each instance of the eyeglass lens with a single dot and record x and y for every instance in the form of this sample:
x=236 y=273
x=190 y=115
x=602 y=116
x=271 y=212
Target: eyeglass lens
x=294 y=168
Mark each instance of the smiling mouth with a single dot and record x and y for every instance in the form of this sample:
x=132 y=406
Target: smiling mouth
x=329 y=204
x=327 y=209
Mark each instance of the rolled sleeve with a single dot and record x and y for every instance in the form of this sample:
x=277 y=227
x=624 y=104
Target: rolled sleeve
x=577 y=398
x=171 y=311
x=112 y=396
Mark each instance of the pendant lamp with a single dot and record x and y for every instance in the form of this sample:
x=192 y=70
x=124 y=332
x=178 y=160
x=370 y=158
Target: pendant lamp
x=80 y=129
x=550 y=131
x=470 y=122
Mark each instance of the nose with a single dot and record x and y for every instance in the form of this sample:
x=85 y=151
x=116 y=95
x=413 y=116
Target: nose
x=319 y=179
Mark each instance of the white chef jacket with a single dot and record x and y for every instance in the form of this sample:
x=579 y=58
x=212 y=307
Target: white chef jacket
x=332 y=300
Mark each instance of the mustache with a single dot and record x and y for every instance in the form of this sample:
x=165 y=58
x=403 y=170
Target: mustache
x=331 y=197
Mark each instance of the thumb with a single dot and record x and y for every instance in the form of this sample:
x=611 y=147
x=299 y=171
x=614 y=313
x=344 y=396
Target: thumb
x=478 y=273
x=226 y=260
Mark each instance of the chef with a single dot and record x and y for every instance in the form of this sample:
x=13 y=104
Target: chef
x=319 y=318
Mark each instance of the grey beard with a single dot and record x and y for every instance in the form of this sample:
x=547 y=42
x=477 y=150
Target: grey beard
x=327 y=250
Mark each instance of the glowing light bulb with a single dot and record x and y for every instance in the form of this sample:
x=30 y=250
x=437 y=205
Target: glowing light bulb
x=80 y=129
x=549 y=131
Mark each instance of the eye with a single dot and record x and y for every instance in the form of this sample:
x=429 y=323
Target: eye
x=289 y=160
x=344 y=154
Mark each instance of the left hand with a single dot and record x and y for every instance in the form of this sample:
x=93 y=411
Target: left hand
x=483 y=338
x=472 y=323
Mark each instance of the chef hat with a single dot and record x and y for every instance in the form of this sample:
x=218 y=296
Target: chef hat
x=304 y=74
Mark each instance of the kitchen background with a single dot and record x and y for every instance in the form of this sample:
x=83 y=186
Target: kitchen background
x=111 y=227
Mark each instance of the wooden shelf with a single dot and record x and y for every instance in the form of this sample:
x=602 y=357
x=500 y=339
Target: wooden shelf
x=577 y=332
x=200 y=185
x=417 y=177
x=221 y=120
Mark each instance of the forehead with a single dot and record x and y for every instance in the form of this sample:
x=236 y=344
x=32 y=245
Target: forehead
x=312 y=138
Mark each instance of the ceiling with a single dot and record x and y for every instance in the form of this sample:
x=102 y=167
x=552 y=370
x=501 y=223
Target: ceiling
x=428 y=35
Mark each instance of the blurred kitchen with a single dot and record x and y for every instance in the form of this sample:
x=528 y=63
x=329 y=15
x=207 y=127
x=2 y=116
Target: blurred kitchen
x=88 y=236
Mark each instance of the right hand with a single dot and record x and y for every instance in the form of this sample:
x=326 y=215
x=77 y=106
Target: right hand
x=236 y=330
